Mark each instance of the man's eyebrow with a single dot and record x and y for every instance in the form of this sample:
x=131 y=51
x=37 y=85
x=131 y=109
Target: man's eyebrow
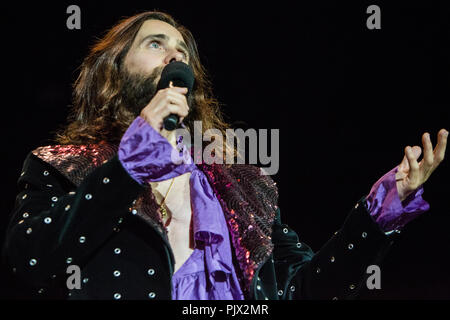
x=166 y=38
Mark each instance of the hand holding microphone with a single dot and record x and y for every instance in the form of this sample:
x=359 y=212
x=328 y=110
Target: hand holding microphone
x=169 y=105
x=168 y=101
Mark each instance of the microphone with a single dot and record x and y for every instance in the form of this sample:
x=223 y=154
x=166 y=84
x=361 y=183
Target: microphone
x=181 y=75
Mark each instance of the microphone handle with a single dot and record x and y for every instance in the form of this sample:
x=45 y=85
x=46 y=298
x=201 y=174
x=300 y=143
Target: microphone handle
x=171 y=122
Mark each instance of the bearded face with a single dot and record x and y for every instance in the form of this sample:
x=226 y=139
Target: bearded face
x=138 y=89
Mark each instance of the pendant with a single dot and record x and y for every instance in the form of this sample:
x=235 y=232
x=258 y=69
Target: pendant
x=163 y=211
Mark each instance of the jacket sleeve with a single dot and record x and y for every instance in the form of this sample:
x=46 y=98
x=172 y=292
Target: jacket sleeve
x=55 y=224
x=339 y=269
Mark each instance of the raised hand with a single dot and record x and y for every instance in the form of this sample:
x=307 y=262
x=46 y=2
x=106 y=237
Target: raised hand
x=412 y=174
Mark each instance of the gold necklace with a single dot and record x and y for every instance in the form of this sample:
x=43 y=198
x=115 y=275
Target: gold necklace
x=161 y=208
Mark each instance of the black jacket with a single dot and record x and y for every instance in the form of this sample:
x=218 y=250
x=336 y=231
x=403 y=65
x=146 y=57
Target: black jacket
x=67 y=213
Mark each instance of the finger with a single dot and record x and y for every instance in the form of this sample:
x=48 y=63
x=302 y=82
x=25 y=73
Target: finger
x=179 y=101
x=428 y=155
x=169 y=109
x=173 y=108
x=439 y=151
x=177 y=90
x=173 y=93
x=181 y=90
x=417 y=151
x=404 y=165
x=413 y=165
x=172 y=86
x=168 y=99
x=175 y=98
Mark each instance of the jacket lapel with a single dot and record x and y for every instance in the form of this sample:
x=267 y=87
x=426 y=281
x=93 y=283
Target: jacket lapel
x=249 y=202
x=75 y=162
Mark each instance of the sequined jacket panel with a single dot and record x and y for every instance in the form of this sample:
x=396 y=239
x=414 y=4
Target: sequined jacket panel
x=79 y=206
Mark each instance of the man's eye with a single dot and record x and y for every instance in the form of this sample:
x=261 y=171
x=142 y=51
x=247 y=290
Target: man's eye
x=155 y=44
x=184 y=55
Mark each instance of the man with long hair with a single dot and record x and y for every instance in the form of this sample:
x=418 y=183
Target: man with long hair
x=107 y=199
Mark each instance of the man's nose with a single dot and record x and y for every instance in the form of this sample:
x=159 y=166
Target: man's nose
x=173 y=56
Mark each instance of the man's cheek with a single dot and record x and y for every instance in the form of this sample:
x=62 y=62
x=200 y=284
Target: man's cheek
x=143 y=64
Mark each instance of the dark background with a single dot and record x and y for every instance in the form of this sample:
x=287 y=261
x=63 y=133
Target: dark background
x=347 y=100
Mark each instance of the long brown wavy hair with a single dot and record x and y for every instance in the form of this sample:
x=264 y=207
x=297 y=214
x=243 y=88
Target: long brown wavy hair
x=97 y=113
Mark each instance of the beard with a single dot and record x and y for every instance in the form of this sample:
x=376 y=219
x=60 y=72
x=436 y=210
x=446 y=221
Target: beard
x=138 y=89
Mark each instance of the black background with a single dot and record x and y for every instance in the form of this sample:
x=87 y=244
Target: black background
x=346 y=99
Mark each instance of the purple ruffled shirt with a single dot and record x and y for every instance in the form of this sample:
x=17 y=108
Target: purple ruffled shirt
x=209 y=274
